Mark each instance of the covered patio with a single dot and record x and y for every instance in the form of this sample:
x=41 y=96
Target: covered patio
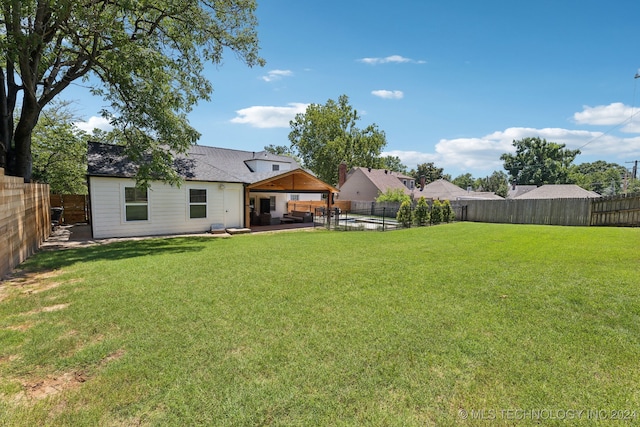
x=269 y=196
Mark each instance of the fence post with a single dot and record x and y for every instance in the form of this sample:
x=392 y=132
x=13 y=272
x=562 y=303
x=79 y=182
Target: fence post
x=383 y=217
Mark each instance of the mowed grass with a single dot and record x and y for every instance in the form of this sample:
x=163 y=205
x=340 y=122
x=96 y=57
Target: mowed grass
x=414 y=327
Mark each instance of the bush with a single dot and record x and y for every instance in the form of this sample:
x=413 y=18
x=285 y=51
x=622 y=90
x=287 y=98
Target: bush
x=405 y=214
x=421 y=214
x=436 y=212
x=393 y=195
x=447 y=212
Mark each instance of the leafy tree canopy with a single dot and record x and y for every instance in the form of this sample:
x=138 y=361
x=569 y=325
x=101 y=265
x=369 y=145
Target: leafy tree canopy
x=59 y=151
x=430 y=172
x=600 y=176
x=496 y=182
x=326 y=135
x=393 y=163
x=393 y=195
x=147 y=59
x=538 y=162
x=464 y=181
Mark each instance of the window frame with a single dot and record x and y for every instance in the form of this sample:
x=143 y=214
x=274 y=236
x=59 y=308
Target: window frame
x=191 y=203
x=134 y=203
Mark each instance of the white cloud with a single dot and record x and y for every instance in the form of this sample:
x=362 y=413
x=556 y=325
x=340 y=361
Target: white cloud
x=482 y=154
x=274 y=75
x=269 y=116
x=94 y=122
x=388 y=94
x=615 y=114
x=390 y=59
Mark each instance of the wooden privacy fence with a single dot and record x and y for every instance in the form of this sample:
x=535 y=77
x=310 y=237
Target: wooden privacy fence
x=312 y=205
x=616 y=210
x=76 y=207
x=25 y=220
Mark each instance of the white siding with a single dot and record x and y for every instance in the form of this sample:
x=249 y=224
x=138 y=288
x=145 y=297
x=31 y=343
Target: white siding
x=168 y=208
x=258 y=165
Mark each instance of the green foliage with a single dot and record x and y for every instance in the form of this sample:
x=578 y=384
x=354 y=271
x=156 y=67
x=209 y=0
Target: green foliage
x=602 y=177
x=464 y=181
x=421 y=213
x=496 y=182
x=148 y=59
x=447 y=212
x=393 y=163
x=538 y=162
x=430 y=172
x=59 y=151
x=405 y=214
x=393 y=195
x=437 y=214
x=326 y=135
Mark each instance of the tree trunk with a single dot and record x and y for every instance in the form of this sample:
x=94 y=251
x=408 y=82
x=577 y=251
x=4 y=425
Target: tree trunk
x=22 y=138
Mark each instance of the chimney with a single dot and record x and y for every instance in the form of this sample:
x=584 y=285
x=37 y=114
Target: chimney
x=342 y=174
x=422 y=181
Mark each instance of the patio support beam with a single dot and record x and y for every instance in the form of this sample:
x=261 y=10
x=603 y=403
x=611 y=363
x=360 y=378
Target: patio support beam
x=247 y=207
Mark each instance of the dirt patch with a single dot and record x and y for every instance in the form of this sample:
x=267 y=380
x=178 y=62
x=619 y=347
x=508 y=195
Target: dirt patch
x=28 y=282
x=21 y=327
x=9 y=358
x=48 y=309
x=45 y=387
x=113 y=356
x=41 y=388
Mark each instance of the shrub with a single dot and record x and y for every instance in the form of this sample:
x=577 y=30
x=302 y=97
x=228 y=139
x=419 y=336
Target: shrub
x=405 y=214
x=393 y=195
x=421 y=214
x=447 y=212
x=436 y=212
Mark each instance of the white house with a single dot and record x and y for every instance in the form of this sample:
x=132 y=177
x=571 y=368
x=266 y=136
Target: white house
x=222 y=188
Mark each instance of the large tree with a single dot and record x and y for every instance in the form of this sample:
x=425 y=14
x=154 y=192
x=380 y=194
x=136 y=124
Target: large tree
x=538 y=162
x=600 y=176
x=496 y=183
x=326 y=135
x=145 y=58
x=59 y=151
x=430 y=172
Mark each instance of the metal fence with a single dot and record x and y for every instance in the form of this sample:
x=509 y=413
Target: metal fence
x=374 y=217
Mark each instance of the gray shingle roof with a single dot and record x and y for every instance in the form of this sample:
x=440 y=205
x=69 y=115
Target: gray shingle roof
x=558 y=191
x=202 y=163
x=445 y=190
x=383 y=179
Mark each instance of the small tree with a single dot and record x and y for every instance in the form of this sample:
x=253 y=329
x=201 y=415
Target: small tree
x=405 y=214
x=447 y=212
x=421 y=214
x=436 y=212
x=393 y=195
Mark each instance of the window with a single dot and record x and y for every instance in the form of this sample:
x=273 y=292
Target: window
x=197 y=203
x=136 y=204
x=275 y=168
x=295 y=197
x=272 y=203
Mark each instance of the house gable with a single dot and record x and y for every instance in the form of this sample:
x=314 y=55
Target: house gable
x=366 y=184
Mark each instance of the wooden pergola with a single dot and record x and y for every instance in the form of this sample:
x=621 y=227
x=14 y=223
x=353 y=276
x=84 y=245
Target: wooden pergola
x=295 y=181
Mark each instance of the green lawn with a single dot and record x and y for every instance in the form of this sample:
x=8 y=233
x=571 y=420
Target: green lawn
x=413 y=327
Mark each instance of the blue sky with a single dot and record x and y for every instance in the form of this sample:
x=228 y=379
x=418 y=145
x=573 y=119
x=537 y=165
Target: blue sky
x=451 y=82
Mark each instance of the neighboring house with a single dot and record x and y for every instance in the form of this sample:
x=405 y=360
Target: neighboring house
x=518 y=190
x=558 y=191
x=444 y=190
x=222 y=188
x=366 y=184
